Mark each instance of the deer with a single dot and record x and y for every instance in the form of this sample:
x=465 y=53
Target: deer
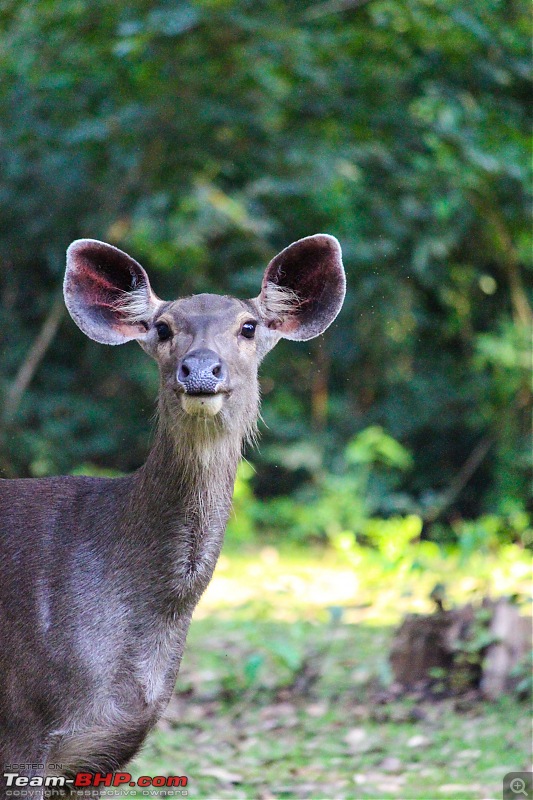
x=99 y=577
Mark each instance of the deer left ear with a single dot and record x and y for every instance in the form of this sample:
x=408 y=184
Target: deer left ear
x=303 y=288
x=107 y=293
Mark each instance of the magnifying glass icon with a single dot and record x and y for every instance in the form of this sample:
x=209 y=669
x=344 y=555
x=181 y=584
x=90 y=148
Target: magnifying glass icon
x=518 y=786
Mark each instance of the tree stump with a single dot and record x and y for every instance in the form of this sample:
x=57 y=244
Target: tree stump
x=512 y=641
x=463 y=648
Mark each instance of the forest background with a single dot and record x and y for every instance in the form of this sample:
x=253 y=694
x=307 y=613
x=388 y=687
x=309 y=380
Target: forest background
x=203 y=137
x=394 y=466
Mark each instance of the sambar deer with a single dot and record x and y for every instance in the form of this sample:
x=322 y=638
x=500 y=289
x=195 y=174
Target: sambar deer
x=99 y=577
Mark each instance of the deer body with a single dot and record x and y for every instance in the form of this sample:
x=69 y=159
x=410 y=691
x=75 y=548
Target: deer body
x=99 y=577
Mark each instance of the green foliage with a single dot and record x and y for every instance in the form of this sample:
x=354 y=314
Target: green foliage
x=334 y=502
x=374 y=446
x=241 y=525
x=346 y=508
x=470 y=650
x=393 y=536
x=522 y=676
x=204 y=136
x=489 y=531
x=343 y=509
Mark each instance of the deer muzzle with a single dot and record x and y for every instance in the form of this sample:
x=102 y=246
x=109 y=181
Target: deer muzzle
x=202 y=376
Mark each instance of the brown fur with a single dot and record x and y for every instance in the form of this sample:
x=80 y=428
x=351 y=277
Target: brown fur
x=100 y=577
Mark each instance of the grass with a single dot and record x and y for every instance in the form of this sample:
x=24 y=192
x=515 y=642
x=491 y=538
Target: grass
x=281 y=689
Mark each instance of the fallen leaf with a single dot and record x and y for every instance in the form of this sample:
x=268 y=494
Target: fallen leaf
x=391 y=764
x=222 y=775
x=357 y=739
x=418 y=741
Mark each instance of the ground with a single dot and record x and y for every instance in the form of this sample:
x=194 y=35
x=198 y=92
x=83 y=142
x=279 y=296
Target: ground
x=283 y=688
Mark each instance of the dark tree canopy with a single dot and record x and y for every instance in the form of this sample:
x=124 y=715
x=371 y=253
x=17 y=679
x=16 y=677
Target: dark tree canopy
x=203 y=137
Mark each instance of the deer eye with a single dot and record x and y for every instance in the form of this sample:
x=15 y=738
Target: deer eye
x=163 y=331
x=248 y=329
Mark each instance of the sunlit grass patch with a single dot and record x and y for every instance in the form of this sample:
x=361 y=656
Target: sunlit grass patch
x=289 y=583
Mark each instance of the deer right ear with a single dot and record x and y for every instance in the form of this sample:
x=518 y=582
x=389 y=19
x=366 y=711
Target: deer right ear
x=303 y=288
x=107 y=293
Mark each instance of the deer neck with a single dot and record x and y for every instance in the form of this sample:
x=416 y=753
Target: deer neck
x=183 y=496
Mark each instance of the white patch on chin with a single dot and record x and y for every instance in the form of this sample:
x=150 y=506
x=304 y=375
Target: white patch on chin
x=202 y=405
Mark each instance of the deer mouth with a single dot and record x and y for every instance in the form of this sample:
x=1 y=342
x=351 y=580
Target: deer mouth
x=202 y=404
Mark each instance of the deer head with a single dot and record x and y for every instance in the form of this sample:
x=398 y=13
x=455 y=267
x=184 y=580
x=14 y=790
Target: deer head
x=208 y=347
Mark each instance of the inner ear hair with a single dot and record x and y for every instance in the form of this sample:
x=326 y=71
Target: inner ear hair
x=134 y=306
x=277 y=301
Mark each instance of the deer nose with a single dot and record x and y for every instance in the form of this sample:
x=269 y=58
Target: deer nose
x=202 y=372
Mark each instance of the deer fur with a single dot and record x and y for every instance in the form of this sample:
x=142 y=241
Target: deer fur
x=100 y=577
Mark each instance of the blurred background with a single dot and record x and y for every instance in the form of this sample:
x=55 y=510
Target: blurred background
x=395 y=459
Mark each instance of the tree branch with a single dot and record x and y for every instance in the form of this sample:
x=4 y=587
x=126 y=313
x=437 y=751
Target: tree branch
x=458 y=483
x=332 y=7
x=510 y=260
x=36 y=354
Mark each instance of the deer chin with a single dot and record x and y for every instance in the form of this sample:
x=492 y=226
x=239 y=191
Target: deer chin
x=202 y=405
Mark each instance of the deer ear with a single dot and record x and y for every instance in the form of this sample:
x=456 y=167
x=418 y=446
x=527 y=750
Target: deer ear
x=107 y=292
x=303 y=288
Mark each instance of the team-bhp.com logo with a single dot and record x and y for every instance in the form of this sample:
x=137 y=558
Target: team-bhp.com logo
x=17 y=783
